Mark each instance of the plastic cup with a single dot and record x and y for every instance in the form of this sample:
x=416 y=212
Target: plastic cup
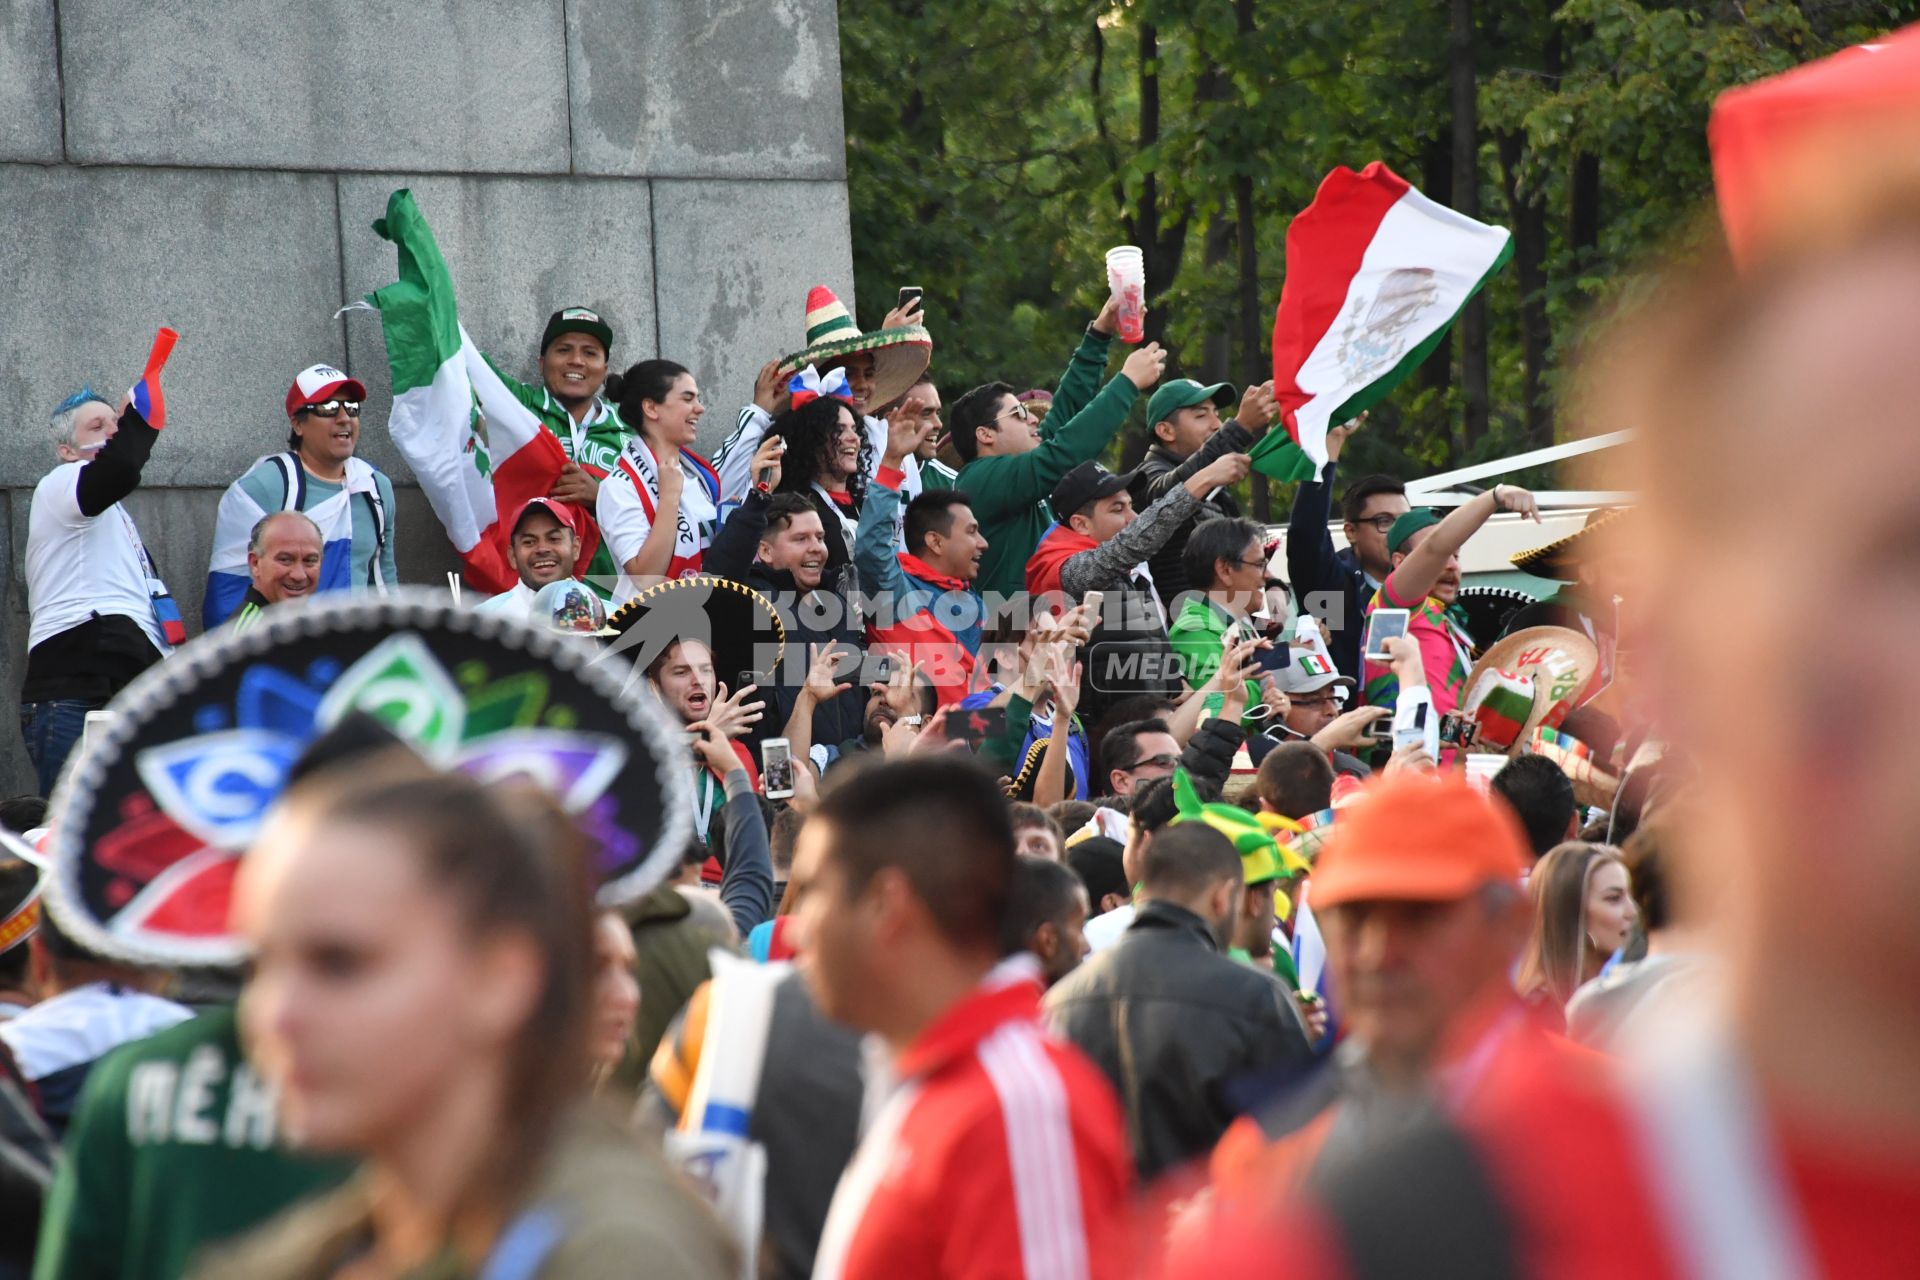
x=1482 y=765
x=1127 y=279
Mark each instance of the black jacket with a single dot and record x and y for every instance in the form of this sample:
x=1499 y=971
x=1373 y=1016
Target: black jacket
x=1162 y=469
x=1174 y=1024
x=731 y=556
x=1314 y=567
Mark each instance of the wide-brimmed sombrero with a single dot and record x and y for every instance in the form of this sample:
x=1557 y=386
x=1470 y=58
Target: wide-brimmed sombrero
x=150 y=825
x=1551 y=666
x=1556 y=559
x=741 y=626
x=1489 y=609
x=900 y=356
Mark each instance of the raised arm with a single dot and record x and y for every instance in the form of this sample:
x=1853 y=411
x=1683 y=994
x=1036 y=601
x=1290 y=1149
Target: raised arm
x=1414 y=578
x=1081 y=379
x=1024 y=479
x=1108 y=564
x=114 y=471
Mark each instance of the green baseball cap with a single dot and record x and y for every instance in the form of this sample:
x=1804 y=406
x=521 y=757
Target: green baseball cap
x=1409 y=524
x=1184 y=393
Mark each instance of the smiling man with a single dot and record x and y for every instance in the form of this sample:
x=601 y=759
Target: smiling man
x=346 y=497
x=542 y=547
x=926 y=606
x=283 y=561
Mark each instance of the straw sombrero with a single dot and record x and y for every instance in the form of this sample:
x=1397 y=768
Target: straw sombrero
x=1556 y=559
x=737 y=623
x=149 y=826
x=899 y=355
x=1549 y=665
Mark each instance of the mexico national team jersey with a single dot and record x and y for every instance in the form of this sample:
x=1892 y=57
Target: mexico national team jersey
x=1446 y=651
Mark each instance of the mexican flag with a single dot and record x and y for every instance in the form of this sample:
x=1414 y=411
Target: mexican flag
x=1375 y=274
x=477 y=451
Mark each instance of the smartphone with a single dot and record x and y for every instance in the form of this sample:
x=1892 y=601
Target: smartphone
x=776 y=768
x=1382 y=626
x=743 y=679
x=1091 y=602
x=976 y=726
x=910 y=294
x=93 y=728
x=1457 y=730
x=1380 y=730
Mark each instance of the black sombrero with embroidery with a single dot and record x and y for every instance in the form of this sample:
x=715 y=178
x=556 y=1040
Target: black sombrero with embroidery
x=1489 y=609
x=150 y=825
x=737 y=623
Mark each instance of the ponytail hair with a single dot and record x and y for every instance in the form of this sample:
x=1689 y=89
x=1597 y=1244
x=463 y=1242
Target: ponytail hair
x=647 y=380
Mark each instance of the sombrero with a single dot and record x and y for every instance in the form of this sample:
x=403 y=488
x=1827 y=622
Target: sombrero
x=1549 y=665
x=737 y=623
x=1556 y=559
x=19 y=920
x=149 y=827
x=1489 y=609
x=899 y=355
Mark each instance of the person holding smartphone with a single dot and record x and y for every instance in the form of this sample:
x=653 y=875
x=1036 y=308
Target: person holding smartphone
x=1425 y=580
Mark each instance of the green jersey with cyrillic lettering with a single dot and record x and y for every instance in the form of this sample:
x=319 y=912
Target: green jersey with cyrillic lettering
x=172 y=1147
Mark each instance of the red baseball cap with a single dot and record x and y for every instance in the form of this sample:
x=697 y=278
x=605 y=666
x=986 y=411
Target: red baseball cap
x=1418 y=837
x=320 y=383
x=558 y=510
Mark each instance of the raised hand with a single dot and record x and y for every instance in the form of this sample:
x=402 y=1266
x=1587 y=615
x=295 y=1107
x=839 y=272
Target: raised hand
x=907 y=427
x=1337 y=436
x=734 y=716
x=821 y=684
x=766 y=461
x=1145 y=366
x=1257 y=408
x=770 y=388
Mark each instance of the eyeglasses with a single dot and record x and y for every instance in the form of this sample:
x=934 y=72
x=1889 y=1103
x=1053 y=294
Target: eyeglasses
x=332 y=408
x=1025 y=414
x=1382 y=523
x=1252 y=564
x=1151 y=762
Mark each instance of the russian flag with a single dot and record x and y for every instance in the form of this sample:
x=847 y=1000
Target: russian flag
x=146 y=397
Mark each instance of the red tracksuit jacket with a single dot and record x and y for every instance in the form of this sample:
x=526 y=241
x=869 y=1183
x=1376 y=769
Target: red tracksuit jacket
x=1001 y=1153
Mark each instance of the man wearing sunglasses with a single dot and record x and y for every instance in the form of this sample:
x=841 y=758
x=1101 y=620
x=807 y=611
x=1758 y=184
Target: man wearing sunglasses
x=350 y=501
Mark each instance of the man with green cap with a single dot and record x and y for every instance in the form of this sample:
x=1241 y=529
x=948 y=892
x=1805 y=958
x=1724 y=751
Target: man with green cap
x=1184 y=417
x=574 y=350
x=1426 y=580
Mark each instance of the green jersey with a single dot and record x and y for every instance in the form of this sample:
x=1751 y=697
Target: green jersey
x=595 y=443
x=171 y=1148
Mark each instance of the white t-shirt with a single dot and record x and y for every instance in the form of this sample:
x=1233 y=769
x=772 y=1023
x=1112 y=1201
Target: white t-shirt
x=1104 y=930
x=516 y=601
x=624 y=522
x=80 y=565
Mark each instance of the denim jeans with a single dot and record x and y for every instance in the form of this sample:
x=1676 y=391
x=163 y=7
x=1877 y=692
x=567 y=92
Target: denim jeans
x=51 y=729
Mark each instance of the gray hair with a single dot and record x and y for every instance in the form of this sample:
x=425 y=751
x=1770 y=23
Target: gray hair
x=260 y=529
x=66 y=416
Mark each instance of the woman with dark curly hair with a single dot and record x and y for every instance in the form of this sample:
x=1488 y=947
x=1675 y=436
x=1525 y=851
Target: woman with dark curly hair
x=827 y=460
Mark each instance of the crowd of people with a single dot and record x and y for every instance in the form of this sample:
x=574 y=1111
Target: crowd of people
x=1074 y=885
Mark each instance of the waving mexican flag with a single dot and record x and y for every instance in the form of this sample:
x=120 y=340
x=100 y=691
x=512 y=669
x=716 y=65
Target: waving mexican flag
x=1375 y=274
x=476 y=450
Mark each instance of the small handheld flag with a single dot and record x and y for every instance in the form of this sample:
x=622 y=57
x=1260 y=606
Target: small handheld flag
x=146 y=397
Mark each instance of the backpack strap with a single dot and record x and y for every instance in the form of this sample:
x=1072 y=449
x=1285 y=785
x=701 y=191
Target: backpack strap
x=293 y=482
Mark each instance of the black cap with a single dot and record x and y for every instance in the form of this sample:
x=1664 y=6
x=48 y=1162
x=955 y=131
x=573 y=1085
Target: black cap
x=577 y=320
x=1088 y=482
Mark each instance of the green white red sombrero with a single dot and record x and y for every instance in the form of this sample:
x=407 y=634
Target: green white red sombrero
x=1528 y=679
x=900 y=355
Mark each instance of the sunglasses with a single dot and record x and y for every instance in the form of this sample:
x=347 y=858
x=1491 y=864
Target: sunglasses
x=332 y=408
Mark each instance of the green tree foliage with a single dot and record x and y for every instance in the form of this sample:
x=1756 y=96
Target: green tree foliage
x=997 y=148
